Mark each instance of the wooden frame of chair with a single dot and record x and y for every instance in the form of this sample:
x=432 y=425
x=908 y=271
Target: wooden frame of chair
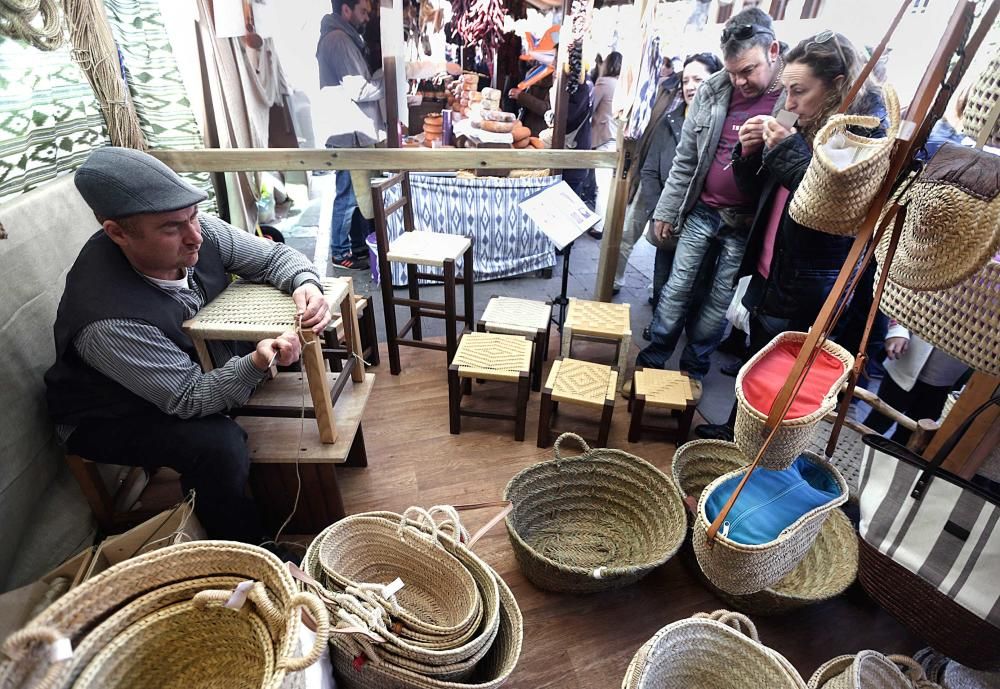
x=102 y=502
x=459 y=386
x=395 y=336
x=540 y=341
x=550 y=407
x=332 y=338
x=637 y=408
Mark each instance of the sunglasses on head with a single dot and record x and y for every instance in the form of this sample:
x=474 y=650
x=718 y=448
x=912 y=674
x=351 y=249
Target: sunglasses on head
x=742 y=32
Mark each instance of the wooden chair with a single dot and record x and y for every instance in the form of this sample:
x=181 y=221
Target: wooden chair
x=598 y=321
x=581 y=383
x=670 y=390
x=525 y=317
x=416 y=248
x=110 y=504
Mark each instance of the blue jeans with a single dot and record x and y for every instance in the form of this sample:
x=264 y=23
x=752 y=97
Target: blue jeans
x=681 y=303
x=344 y=204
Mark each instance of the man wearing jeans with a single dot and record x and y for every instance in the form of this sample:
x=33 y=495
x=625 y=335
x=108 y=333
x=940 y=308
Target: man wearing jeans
x=701 y=202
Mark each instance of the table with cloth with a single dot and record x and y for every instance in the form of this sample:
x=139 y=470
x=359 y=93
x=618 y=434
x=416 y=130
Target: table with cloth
x=506 y=241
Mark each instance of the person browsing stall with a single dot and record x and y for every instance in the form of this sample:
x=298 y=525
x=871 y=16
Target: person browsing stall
x=126 y=387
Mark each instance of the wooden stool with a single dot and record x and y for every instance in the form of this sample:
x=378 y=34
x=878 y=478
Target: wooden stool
x=419 y=248
x=525 y=317
x=669 y=390
x=578 y=382
x=334 y=335
x=112 y=497
x=490 y=356
x=598 y=321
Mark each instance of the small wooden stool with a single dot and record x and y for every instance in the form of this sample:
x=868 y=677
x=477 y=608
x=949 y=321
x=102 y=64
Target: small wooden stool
x=661 y=390
x=525 y=317
x=598 y=321
x=490 y=356
x=578 y=382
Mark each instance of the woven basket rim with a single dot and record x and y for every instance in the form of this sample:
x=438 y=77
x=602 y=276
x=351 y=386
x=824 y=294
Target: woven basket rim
x=697 y=449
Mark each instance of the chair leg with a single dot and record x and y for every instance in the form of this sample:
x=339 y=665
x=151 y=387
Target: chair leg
x=89 y=479
x=536 y=372
x=545 y=419
x=389 y=314
x=370 y=332
x=623 y=349
x=684 y=425
x=450 y=320
x=521 y=412
x=454 y=400
x=413 y=286
x=468 y=283
x=638 y=406
x=605 y=429
x=567 y=342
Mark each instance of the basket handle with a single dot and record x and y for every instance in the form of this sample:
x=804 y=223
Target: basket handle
x=736 y=620
x=914 y=672
x=60 y=649
x=255 y=592
x=569 y=436
x=867 y=121
x=311 y=604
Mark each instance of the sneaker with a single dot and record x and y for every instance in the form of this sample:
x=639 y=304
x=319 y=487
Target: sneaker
x=647 y=335
x=352 y=263
x=596 y=234
x=714 y=431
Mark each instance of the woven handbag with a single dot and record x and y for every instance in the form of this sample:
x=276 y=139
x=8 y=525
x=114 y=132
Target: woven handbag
x=930 y=549
x=720 y=650
x=870 y=669
x=595 y=521
x=834 y=195
x=740 y=568
x=983 y=98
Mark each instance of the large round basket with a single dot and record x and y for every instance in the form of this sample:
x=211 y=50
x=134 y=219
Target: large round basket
x=716 y=651
x=595 y=521
x=794 y=436
x=870 y=669
x=830 y=566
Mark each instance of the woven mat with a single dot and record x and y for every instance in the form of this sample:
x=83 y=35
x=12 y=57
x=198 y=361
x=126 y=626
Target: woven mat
x=598 y=318
x=510 y=312
x=664 y=388
x=506 y=356
x=582 y=382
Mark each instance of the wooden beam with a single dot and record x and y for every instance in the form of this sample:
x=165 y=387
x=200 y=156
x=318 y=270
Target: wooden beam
x=777 y=10
x=285 y=159
x=614 y=220
x=811 y=9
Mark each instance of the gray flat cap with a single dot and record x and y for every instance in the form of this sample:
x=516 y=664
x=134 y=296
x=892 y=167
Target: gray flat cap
x=118 y=182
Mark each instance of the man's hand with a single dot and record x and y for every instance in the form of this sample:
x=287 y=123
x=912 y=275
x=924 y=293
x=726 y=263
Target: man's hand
x=662 y=230
x=515 y=92
x=286 y=346
x=775 y=132
x=895 y=347
x=311 y=307
x=752 y=133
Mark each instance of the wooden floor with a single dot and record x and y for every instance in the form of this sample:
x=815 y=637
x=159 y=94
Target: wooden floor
x=569 y=641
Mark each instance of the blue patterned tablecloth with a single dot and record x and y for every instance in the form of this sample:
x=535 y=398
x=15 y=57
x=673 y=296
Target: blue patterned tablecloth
x=506 y=241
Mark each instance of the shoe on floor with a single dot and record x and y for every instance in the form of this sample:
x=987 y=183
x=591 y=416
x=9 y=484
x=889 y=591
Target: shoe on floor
x=596 y=234
x=352 y=263
x=627 y=389
x=731 y=370
x=714 y=431
x=647 y=335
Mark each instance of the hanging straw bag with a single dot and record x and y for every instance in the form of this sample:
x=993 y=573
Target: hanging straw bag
x=983 y=98
x=794 y=434
x=846 y=171
x=870 y=669
x=741 y=568
x=930 y=548
x=599 y=520
x=720 y=650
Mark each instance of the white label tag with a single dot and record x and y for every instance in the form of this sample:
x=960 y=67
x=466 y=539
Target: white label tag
x=60 y=650
x=239 y=596
x=906 y=130
x=391 y=589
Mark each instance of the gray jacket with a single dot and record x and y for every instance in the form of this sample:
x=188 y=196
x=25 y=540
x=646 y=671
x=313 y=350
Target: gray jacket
x=699 y=138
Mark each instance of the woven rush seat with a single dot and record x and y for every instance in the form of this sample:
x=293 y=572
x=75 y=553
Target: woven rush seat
x=490 y=356
x=659 y=389
x=427 y=248
x=598 y=322
x=582 y=383
x=525 y=317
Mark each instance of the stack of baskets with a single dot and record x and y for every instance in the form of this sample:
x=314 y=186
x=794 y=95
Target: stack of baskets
x=871 y=669
x=599 y=520
x=210 y=614
x=412 y=605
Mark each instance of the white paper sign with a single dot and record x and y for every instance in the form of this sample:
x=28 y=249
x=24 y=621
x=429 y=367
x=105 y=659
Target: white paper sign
x=229 y=19
x=559 y=213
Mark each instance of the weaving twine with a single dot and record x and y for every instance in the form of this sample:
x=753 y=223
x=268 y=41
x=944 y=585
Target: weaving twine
x=18 y=21
x=96 y=53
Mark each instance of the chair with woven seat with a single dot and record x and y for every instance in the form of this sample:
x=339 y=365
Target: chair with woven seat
x=415 y=248
x=582 y=383
x=669 y=390
x=598 y=321
x=525 y=317
x=490 y=356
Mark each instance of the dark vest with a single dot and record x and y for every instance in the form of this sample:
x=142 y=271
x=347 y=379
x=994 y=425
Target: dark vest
x=102 y=285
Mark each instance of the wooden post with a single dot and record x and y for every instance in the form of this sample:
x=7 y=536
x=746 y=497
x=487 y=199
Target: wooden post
x=614 y=220
x=777 y=10
x=315 y=373
x=982 y=436
x=811 y=9
x=559 y=79
x=352 y=331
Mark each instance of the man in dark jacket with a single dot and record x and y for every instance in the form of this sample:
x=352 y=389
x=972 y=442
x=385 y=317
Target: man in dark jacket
x=126 y=387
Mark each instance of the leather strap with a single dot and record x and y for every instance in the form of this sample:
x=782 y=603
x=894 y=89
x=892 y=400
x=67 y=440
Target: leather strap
x=873 y=60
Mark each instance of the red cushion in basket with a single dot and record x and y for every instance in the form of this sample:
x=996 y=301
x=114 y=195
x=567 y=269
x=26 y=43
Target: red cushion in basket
x=764 y=380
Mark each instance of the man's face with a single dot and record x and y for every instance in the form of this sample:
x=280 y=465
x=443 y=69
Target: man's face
x=358 y=15
x=160 y=245
x=752 y=70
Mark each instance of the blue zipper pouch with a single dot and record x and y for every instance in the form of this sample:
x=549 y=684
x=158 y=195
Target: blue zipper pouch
x=771 y=501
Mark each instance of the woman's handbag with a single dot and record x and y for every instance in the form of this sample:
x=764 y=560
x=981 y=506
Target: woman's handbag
x=930 y=548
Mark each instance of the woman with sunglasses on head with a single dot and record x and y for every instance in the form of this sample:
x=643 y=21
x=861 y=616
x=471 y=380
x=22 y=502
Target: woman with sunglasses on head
x=793 y=268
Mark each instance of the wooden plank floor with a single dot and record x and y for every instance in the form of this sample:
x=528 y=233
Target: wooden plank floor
x=587 y=641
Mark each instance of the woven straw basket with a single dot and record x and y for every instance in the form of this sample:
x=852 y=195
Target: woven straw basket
x=794 y=435
x=720 y=650
x=870 y=669
x=741 y=569
x=596 y=521
x=830 y=566
x=138 y=587
x=836 y=201
x=982 y=98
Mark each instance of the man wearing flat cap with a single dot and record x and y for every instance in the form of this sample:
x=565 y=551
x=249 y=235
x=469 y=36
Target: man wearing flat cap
x=126 y=387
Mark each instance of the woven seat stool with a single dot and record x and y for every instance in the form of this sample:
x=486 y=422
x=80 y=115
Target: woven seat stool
x=415 y=248
x=525 y=317
x=598 y=321
x=490 y=356
x=670 y=390
x=582 y=383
